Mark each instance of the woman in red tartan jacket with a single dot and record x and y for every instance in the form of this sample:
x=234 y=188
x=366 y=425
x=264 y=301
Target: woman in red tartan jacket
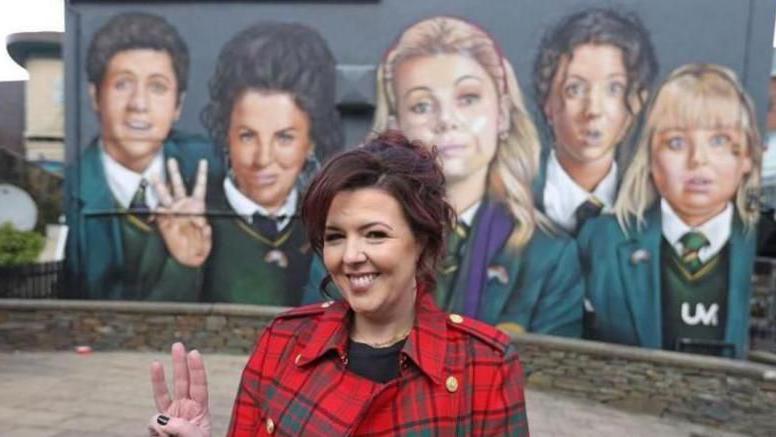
x=384 y=361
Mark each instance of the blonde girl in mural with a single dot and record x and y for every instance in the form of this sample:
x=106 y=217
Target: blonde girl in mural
x=446 y=83
x=672 y=268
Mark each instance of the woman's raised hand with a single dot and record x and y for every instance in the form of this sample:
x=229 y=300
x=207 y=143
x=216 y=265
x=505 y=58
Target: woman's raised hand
x=187 y=413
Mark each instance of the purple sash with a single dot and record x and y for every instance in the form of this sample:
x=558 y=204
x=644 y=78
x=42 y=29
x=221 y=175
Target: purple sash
x=493 y=228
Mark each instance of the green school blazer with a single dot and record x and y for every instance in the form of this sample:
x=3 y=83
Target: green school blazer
x=94 y=260
x=536 y=288
x=623 y=281
x=245 y=266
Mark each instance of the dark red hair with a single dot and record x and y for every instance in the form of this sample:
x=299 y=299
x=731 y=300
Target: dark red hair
x=408 y=171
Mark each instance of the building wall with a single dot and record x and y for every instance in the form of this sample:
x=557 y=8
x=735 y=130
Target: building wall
x=45 y=111
x=12 y=116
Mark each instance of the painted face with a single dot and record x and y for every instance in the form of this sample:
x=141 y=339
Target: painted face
x=449 y=101
x=371 y=252
x=699 y=170
x=137 y=104
x=269 y=141
x=586 y=106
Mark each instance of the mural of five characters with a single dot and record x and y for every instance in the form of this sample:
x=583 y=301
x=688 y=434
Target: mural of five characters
x=634 y=224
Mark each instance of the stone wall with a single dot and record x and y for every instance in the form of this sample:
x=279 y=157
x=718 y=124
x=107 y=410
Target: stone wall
x=142 y=326
x=728 y=394
x=723 y=393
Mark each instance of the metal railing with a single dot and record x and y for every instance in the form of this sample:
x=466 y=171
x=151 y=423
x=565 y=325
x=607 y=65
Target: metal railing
x=762 y=327
x=32 y=281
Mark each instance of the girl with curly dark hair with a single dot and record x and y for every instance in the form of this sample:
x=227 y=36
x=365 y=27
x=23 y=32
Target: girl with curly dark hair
x=272 y=109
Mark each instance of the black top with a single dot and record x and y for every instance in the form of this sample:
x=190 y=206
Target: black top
x=376 y=364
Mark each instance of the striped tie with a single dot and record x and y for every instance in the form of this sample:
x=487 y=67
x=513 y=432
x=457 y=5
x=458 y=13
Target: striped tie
x=138 y=203
x=454 y=245
x=693 y=242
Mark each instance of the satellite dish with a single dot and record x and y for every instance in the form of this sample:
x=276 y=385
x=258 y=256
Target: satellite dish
x=18 y=208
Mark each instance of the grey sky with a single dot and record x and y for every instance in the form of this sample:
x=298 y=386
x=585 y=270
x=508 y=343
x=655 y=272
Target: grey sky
x=39 y=15
x=27 y=16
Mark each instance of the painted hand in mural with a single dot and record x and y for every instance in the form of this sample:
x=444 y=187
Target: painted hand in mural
x=181 y=218
x=187 y=413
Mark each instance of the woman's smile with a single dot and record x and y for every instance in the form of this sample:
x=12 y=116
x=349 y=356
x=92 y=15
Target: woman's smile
x=360 y=283
x=369 y=248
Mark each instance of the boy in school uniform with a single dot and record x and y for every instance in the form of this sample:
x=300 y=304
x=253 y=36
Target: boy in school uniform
x=137 y=68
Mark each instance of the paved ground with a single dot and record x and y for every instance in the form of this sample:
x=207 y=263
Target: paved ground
x=63 y=394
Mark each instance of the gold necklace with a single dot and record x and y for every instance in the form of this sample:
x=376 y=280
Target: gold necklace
x=393 y=340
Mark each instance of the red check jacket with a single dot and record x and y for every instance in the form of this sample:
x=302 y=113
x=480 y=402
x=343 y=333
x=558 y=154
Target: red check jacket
x=458 y=377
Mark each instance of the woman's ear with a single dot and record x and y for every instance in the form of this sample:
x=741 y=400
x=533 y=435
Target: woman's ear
x=179 y=106
x=93 y=98
x=549 y=109
x=421 y=246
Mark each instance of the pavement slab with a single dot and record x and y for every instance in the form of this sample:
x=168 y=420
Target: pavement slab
x=108 y=394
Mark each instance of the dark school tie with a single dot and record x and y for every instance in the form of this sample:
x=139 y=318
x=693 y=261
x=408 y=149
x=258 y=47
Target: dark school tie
x=266 y=226
x=138 y=204
x=590 y=208
x=455 y=245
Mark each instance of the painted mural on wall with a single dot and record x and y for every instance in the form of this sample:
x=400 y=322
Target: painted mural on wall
x=592 y=76
x=137 y=69
x=272 y=111
x=156 y=214
x=672 y=266
x=444 y=82
x=632 y=224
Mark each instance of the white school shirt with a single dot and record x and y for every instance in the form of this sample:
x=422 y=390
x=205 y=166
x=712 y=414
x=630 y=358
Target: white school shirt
x=246 y=207
x=123 y=182
x=717 y=230
x=562 y=195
